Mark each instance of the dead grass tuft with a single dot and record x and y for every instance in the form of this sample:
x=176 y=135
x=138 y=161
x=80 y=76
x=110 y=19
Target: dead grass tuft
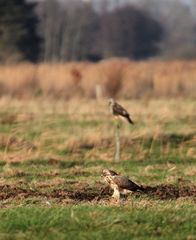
x=12 y=142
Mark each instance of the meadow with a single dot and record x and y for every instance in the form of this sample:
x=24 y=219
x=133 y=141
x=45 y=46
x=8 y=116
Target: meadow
x=52 y=152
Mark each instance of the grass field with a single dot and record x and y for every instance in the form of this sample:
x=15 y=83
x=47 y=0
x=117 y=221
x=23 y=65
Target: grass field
x=52 y=154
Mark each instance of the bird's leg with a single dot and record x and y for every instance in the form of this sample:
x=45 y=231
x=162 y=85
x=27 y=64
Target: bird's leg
x=116 y=195
x=124 y=194
x=117 y=140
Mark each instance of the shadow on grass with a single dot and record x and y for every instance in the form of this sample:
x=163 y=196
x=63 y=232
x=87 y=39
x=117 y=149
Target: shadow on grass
x=49 y=162
x=163 y=139
x=57 y=163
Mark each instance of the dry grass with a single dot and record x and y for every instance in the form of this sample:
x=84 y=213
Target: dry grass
x=60 y=129
x=115 y=77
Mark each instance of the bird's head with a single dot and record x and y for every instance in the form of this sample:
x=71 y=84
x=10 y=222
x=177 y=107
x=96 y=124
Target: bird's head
x=111 y=102
x=107 y=172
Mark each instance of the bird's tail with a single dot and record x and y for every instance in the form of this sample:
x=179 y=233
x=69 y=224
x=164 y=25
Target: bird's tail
x=129 y=120
x=142 y=189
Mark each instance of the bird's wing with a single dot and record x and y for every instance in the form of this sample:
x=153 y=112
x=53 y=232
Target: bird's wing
x=125 y=183
x=113 y=172
x=118 y=109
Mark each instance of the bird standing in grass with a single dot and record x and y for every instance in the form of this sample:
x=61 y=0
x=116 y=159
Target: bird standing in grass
x=120 y=184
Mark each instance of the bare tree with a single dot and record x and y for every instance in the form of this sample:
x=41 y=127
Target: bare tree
x=179 y=22
x=75 y=30
x=67 y=29
x=50 y=22
x=129 y=32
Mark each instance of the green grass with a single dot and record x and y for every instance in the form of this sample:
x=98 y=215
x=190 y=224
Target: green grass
x=99 y=222
x=54 y=190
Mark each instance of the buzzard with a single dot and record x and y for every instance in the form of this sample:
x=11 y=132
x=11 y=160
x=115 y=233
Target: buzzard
x=120 y=184
x=118 y=111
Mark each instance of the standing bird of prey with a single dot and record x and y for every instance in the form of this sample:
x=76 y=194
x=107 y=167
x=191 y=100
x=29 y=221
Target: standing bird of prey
x=118 y=111
x=120 y=184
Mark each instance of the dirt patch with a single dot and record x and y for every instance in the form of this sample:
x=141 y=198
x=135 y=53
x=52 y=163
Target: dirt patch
x=79 y=192
x=9 y=191
x=85 y=192
x=171 y=191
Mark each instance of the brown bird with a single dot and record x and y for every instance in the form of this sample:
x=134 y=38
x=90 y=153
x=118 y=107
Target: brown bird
x=120 y=184
x=118 y=111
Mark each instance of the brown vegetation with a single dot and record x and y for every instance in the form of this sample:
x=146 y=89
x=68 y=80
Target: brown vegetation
x=95 y=193
x=114 y=77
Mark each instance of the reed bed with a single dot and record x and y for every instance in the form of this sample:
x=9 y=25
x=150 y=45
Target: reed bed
x=120 y=78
